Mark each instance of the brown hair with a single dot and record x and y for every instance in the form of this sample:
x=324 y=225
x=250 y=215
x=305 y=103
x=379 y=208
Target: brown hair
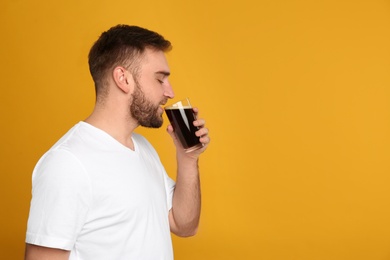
x=121 y=45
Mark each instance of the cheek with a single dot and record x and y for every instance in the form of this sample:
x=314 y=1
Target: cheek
x=155 y=92
x=149 y=86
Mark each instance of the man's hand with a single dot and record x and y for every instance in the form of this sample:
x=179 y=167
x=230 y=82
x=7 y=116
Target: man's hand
x=202 y=133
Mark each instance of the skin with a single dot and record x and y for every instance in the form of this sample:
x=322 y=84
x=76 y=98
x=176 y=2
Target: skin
x=114 y=116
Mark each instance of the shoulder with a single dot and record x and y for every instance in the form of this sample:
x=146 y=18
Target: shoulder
x=78 y=143
x=59 y=166
x=61 y=154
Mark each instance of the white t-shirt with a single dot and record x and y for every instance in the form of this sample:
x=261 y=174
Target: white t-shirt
x=100 y=200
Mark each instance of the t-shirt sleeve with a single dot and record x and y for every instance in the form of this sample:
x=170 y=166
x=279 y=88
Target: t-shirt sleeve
x=61 y=195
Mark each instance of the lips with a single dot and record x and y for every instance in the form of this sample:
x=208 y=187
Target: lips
x=161 y=109
x=164 y=102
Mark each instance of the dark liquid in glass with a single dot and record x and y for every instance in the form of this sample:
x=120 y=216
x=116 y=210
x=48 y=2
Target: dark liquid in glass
x=182 y=121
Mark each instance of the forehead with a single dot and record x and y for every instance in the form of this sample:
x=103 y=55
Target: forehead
x=154 y=61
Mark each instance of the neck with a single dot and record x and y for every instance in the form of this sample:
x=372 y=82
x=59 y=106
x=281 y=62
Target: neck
x=114 y=119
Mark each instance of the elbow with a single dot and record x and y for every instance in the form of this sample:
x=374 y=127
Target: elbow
x=183 y=227
x=191 y=232
x=188 y=232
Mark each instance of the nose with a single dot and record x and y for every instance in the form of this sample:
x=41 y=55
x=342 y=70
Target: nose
x=168 y=91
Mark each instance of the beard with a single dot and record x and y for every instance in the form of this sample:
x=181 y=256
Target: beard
x=145 y=112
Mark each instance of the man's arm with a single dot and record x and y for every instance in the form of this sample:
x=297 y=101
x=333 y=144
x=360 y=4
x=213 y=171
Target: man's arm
x=34 y=252
x=186 y=203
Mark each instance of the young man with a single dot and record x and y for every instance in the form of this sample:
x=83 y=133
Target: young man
x=101 y=192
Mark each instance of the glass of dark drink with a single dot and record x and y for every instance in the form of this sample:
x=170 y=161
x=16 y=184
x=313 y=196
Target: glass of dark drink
x=182 y=118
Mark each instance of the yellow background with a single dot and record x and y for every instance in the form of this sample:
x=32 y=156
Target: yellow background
x=295 y=93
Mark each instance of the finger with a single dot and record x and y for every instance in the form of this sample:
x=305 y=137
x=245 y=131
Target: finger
x=199 y=122
x=202 y=132
x=205 y=140
x=171 y=132
x=196 y=111
x=170 y=129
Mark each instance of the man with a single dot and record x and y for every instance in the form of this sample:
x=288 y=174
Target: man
x=101 y=192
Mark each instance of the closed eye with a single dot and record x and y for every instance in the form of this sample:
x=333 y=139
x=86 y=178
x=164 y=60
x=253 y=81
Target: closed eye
x=161 y=76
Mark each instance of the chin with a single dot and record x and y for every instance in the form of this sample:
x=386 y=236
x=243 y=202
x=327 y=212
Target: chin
x=152 y=124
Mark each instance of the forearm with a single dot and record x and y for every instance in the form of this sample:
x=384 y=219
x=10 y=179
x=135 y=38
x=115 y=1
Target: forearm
x=186 y=204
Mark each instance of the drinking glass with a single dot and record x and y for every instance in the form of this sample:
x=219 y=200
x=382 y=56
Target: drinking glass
x=182 y=117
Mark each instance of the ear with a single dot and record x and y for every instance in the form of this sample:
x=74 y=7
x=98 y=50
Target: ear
x=123 y=79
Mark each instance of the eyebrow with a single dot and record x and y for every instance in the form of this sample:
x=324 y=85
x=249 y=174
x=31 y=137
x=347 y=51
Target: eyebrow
x=165 y=73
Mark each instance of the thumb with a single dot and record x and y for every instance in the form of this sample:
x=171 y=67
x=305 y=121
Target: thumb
x=171 y=132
